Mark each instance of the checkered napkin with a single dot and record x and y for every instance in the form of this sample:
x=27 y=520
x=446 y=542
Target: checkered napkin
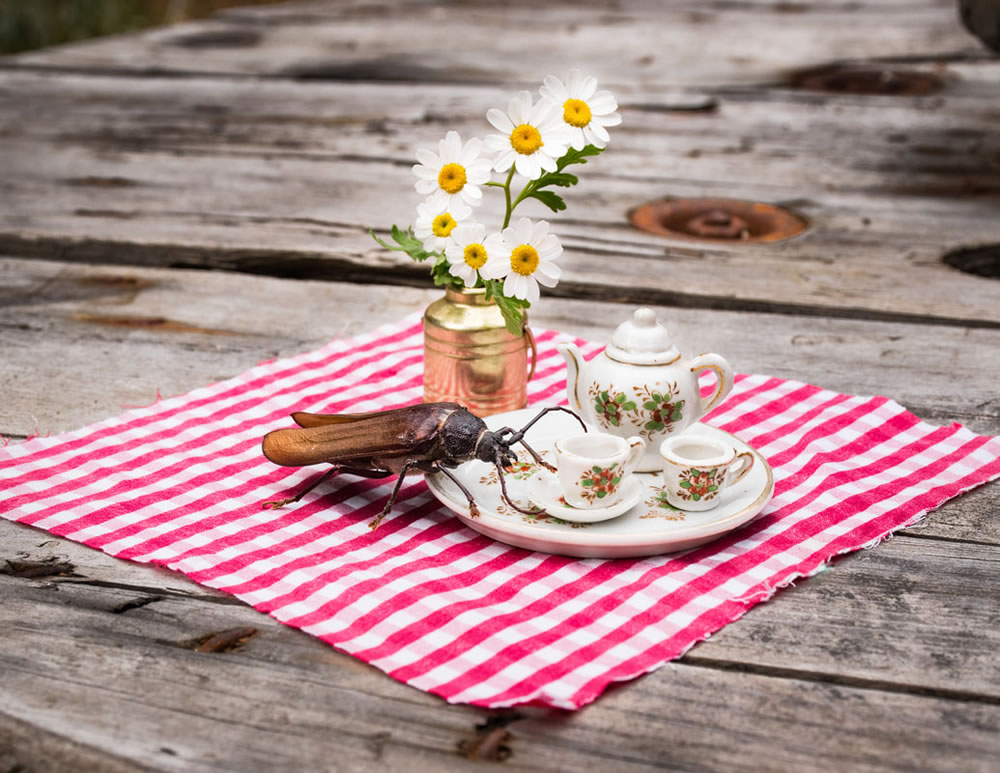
x=431 y=602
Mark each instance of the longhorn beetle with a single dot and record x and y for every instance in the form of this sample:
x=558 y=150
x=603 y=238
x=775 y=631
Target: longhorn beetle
x=432 y=437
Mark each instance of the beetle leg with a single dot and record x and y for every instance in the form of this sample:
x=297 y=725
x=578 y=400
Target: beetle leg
x=506 y=496
x=538 y=458
x=335 y=470
x=392 y=497
x=473 y=510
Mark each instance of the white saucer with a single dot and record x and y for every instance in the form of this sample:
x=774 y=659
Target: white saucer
x=649 y=528
x=545 y=491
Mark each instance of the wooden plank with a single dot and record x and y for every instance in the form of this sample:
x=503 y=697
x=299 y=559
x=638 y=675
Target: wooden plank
x=82 y=343
x=301 y=172
x=642 y=45
x=120 y=681
x=878 y=618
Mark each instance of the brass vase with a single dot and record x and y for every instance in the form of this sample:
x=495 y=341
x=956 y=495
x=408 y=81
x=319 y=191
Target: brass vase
x=470 y=358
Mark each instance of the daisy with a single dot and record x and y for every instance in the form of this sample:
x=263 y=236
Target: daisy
x=531 y=137
x=585 y=110
x=526 y=252
x=467 y=253
x=455 y=172
x=435 y=222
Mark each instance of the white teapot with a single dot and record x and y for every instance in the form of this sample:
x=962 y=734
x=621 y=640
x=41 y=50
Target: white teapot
x=640 y=385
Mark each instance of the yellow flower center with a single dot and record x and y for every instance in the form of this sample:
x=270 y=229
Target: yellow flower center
x=524 y=259
x=576 y=113
x=475 y=256
x=443 y=224
x=452 y=177
x=526 y=139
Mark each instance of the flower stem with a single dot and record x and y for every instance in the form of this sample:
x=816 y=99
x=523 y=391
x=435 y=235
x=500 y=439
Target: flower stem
x=506 y=193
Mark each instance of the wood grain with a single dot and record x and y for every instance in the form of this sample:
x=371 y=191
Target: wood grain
x=302 y=171
x=77 y=668
x=266 y=142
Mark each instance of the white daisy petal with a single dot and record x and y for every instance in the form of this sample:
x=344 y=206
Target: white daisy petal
x=539 y=231
x=602 y=102
x=471 y=152
x=451 y=146
x=428 y=157
x=599 y=131
x=587 y=88
x=504 y=160
x=513 y=286
x=531 y=289
x=471 y=195
x=499 y=120
x=548 y=163
x=479 y=171
x=547 y=274
x=606 y=120
x=528 y=166
x=549 y=248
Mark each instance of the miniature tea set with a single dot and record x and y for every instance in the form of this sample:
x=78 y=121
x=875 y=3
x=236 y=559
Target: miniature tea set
x=648 y=478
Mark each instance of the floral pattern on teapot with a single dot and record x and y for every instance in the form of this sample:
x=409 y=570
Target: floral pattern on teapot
x=655 y=410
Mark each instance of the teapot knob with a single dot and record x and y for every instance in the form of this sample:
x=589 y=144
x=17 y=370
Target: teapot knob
x=644 y=317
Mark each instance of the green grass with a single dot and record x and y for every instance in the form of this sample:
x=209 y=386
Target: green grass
x=30 y=24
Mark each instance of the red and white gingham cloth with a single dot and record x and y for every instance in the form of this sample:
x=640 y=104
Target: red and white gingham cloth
x=424 y=598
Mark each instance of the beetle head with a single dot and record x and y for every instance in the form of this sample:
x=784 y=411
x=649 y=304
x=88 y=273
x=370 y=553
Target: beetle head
x=495 y=449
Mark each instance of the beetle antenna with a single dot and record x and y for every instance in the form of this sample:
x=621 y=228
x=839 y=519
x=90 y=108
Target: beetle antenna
x=506 y=496
x=516 y=437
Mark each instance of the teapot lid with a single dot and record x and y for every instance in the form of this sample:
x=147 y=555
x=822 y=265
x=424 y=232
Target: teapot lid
x=642 y=340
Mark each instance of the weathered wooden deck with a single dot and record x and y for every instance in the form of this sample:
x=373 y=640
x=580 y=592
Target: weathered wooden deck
x=267 y=142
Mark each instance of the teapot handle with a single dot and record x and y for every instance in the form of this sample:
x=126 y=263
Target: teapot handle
x=723 y=379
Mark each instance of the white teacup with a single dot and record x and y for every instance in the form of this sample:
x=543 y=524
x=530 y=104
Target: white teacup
x=697 y=470
x=592 y=467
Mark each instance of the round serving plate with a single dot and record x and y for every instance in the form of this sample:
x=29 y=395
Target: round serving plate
x=649 y=528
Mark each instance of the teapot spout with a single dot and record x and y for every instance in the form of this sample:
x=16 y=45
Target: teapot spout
x=574 y=360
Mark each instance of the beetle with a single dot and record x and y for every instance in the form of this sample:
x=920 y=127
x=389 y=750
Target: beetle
x=431 y=437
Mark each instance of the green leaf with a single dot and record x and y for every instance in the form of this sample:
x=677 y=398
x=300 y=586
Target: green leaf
x=551 y=200
x=614 y=420
x=601 y=494
x=595 y=468
x=713 y=488
x=629 y=406
x=685 y=484
x=657 y=397
x=649 y=405
x=511 y=308
x=406 y=242
x=616 y=481
x=562 y=179
x=676 y=416
x=587 y=482
x=620 y=398
x=574 y=156
x=605 y=397
x=696 y=497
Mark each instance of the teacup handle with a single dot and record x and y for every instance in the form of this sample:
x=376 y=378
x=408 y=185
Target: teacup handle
x=638 y=448
x=723 y=379
x=740 y=467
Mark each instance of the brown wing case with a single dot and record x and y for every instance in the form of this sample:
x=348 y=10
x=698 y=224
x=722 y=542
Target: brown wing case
x=340 y=438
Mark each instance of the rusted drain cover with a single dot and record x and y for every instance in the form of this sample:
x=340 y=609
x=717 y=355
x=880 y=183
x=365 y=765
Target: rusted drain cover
x=874 y=81
x=981 y=261
x=717 y=220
